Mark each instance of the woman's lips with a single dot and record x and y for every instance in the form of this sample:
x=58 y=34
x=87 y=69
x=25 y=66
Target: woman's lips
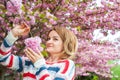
x=49 y=45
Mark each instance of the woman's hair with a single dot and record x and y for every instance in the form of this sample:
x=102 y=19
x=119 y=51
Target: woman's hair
x=70 y=42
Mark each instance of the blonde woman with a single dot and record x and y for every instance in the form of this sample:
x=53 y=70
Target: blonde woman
x=61 y=46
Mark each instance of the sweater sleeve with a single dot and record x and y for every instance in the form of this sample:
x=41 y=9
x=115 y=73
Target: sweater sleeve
x=65 y=72
x=6 y=58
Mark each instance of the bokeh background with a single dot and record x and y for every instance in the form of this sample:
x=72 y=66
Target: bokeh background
x=96 y=23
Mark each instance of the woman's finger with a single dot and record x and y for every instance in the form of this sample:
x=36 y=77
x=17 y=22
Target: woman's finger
x=29 y=55
x=32 y=55
x=39 y=52
x=32 y=52
x=24 y=25
x=25 y=31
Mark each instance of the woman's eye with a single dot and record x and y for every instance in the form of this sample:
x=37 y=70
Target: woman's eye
x=48 y=39
x=55 y=39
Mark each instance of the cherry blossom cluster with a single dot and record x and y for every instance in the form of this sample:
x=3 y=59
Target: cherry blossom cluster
x=34 y=43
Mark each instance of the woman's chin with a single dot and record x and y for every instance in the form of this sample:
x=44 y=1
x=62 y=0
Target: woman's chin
x=49 y=50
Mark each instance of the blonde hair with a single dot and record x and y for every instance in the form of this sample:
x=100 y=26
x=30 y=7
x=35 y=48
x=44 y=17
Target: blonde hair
x=70 y=42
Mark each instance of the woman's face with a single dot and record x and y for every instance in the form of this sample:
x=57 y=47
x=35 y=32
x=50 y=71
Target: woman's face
x=54 y=43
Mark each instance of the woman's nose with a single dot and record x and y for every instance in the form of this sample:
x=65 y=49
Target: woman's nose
x=50 y=41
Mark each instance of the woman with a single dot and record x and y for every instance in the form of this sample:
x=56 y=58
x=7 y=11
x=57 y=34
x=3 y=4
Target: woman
x=61 y=46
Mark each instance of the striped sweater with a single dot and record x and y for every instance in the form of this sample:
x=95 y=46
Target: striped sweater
x=40 y=70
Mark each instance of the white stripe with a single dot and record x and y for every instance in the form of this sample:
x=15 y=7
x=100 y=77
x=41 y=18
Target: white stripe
x=4 y=49
x=6 y=62
x=10 y=38
x=15 y=65
x=39 y=63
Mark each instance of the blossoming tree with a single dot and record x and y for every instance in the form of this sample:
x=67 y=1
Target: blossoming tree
x=80 y=16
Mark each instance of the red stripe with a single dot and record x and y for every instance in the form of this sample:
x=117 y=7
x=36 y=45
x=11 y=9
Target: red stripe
x=44 y=76
x=4 y=53
x=11 y=61
x=29 y=75
x=66 y=66
x=49 y=63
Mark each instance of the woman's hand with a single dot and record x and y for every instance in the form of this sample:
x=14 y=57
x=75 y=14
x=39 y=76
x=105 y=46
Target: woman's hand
x=21 y=30
x=33 y=56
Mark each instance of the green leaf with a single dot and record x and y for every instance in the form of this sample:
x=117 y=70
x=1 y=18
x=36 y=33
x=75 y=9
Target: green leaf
x=95 y=77
x=42 y=15
x=115 y=70
x=44 y=53
x=2 y=6
x=23 y=8
x=44 y=20
x=43 y=45
x=79 y=29
x=78 y=65
x=3 y=15
x=67 y=1
x=55 y=18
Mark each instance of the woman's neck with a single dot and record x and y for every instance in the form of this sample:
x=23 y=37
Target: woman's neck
x=54 y=58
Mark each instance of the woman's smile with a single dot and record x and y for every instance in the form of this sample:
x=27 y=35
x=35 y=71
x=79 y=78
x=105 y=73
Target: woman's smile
x=49 y=45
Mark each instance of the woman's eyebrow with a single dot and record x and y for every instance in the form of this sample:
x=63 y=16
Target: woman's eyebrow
x=53 y=36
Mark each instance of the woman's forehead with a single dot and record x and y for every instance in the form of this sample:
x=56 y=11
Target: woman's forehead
x=53 y=33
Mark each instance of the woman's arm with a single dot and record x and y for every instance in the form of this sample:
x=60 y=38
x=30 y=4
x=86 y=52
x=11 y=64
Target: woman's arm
x=6 y=58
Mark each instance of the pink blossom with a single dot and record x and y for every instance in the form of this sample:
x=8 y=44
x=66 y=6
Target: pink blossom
x=52 y=21
x=14 y=6
x=34 y=43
